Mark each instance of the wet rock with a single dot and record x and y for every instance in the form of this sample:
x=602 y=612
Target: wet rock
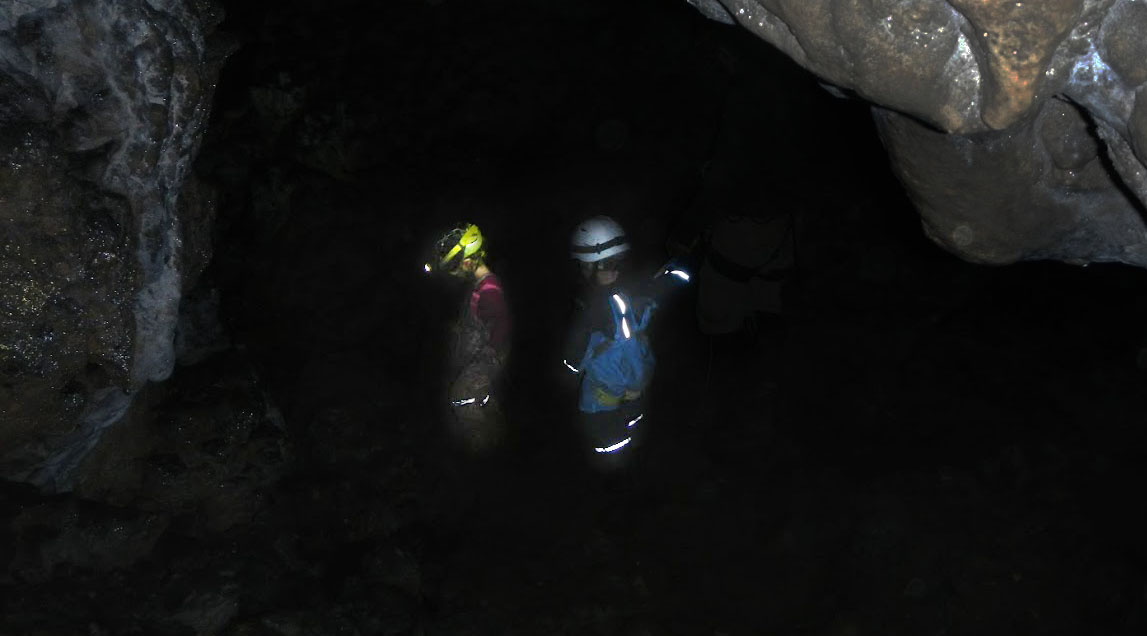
x=954 y=70
x=65 y=299
x=998 y=197
x=208 y=443
x=713 y=10
x=1121 y=41
x=1017 y=39
x=1128 y=167
x=1065 y=137
x=1138 y=125
x=911 y=56
x=102 y=109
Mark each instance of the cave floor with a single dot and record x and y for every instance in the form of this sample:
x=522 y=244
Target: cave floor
x=918 y=445
x=984 y=489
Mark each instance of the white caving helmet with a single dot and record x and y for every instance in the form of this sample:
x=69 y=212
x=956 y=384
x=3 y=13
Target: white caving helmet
x=598 y=238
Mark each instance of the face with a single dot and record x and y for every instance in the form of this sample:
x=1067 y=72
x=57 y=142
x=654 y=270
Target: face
x=602 y=273
x=605 y=277
x=464 y=269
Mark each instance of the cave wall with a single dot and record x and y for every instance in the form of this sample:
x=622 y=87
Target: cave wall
x=1016 y=127
x=102 y=108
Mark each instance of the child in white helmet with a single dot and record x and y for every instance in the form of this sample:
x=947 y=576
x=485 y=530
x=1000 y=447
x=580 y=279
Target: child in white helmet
x=608 y=348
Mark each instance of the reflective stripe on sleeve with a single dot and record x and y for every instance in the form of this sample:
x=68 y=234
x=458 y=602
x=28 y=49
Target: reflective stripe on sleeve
x=620 y=303
x=468 y=401
x=615 y=447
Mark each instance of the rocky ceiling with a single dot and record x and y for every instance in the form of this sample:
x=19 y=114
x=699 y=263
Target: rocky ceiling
x=1018 y=128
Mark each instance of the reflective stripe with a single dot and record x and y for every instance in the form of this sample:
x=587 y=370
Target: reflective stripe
x=426 y=267
x=598 y=248
x=467 y=401
x=620 y=303
x=680 y=274
x=625 y=328
x=610 y=449
x=634 y=420
x=570 y=366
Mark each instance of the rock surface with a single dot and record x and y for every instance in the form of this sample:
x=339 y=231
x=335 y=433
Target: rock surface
x=989 y=74
x=103 y=106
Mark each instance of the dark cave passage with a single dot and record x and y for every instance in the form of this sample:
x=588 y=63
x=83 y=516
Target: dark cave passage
x=911 y=431
x=914 y=444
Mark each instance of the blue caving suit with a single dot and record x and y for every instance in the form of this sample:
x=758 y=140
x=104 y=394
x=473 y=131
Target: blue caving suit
x=609 y=349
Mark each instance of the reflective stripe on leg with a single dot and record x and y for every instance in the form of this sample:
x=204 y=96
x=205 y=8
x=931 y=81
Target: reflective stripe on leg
x=615 y=447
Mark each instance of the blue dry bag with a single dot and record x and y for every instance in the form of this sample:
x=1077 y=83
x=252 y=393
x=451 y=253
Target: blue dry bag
x=620 y=362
